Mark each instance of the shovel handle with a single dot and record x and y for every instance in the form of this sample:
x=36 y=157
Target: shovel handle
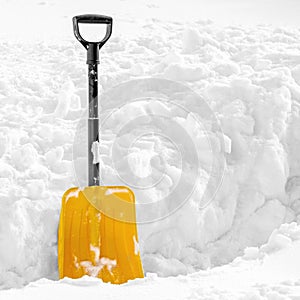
x=92 y=19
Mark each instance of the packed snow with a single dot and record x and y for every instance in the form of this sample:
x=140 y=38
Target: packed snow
x=269 y=272
x=202 y=122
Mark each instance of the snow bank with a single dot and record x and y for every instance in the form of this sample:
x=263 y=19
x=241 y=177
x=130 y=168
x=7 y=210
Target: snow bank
x=268 y=272
x=250 y=80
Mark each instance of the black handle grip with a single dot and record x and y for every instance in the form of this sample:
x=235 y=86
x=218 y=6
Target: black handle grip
x=100 y=19
x=92 y=19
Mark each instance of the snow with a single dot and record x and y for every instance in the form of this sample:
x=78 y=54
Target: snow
x=96 y=152
x=200 y=120
x=94 y=269
x=115 y=190
x=261 y=273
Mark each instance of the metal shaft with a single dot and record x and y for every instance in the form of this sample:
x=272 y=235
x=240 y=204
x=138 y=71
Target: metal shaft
x=93 y=61
x=93 y=122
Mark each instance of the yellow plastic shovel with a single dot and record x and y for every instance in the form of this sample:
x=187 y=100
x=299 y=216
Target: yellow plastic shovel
x=97 y=230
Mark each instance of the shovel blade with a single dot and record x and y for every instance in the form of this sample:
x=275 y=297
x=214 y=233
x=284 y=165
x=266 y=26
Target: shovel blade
x=97 y=234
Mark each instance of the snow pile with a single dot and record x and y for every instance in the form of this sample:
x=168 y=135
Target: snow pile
x=250 y=79
x=267 y=272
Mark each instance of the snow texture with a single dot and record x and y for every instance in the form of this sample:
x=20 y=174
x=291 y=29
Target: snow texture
x=269 y=272
x=250 y=79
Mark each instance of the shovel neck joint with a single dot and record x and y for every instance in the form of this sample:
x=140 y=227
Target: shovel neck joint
x=93 y=54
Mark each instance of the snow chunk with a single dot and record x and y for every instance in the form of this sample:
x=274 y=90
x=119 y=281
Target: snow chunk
x=163 y=266
x=136 y=246
x=54 y=156
x=115 y=190
x=3 y=143
x=227 y=68
x=251 y=253
x=36 y=189
x=93 y=269
x=24 y=157
x=191 y=40
x=96 y=152
x=296 y=73
x=277 y=241
x=185 y=73
x=64 y=100
x=260 y=225
x=74 y=194
x=270 y=169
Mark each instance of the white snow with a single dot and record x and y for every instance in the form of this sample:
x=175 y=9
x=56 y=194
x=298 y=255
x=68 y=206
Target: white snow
x=261 y=273
x=136 y=246
x=96 y=152
x=93 y=269
x=156 y=136
x=73 y=194
x=115 y=190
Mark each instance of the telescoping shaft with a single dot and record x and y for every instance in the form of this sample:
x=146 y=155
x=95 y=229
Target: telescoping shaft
x=93 y=62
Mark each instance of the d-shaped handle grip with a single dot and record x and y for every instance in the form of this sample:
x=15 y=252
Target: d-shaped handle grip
x=92 y=19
